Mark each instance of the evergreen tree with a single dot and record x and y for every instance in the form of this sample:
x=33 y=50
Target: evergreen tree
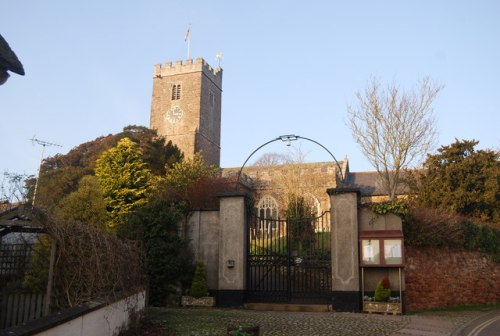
x=300 y=217
x=86 y=204
x=194 y=182
x=460 y=179
x=124 y=180
x=168 y=262
x=199 y=287
x=61 y=173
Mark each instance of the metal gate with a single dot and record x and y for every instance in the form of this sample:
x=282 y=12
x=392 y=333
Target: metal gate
x=289 y=261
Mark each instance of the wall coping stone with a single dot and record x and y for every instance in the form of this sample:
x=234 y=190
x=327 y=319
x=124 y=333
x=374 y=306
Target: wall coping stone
x=53 y=320
x=233 y=194
x=343 y=190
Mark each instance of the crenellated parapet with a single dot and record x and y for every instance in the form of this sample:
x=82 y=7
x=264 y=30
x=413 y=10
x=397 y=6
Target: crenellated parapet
x=180 y=67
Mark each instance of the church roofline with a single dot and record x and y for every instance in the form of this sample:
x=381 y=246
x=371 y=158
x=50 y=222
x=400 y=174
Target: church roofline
x=180 y=67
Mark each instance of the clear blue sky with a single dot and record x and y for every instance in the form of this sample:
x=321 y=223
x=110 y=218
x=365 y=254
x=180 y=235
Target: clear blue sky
x=289 y=67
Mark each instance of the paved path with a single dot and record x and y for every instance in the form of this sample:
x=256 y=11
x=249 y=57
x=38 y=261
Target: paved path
x=424 y=326
x=213 y=321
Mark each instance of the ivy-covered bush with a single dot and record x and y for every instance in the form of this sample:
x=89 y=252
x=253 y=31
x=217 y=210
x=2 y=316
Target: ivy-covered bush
x=425 y=227
x=199 y=287
x=167 y=257
x=383 y=290
x=399 y=207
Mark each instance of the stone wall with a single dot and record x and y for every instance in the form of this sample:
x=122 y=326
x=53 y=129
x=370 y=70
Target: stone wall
x=203 y=231
x=278 y=181
x=442 y=278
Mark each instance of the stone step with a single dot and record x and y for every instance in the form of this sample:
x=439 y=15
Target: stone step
x=289 y=307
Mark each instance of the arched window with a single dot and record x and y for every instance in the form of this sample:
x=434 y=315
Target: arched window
x=268 y=215
x=176 y=92
x=313 y=202
x=268 y=207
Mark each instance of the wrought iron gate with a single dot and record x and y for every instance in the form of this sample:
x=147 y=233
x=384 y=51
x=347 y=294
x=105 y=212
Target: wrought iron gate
x=289 y=261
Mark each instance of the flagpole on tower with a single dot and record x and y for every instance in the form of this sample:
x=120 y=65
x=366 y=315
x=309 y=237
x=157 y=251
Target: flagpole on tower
x=187 y=38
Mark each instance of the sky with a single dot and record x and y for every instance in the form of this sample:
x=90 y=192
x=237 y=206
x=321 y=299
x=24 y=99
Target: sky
x=290 y=67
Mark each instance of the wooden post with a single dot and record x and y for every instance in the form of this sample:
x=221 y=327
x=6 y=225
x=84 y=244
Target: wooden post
x=46 y=305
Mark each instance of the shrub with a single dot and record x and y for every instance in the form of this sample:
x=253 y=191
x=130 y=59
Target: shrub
x=425 y=227
x=199 y=287
x=383 y=290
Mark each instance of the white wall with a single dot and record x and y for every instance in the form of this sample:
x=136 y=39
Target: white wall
x=106 y=321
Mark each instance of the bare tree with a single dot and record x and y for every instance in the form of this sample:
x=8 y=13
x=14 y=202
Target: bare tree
x=394 y=129
x=13 y=188
x=296 y=154
x=273 y=158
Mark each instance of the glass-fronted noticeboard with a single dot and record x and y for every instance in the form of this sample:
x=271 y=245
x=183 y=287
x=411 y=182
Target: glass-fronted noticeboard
x=381 y=248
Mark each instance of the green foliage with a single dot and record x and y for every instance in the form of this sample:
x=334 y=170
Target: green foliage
x=383 y=290
x=300 y=218
x=60 y=174
x=86 y=204
x=54 y=185
x=480 y=238
x=425 y=227
x=124 y=180
x=280 y=245
x=36 y=277
x=398 y=207
x=199 y=287
x=187 y=172
x=460 y=179
x=158 y=155
x=194 y=182
x=168 y=262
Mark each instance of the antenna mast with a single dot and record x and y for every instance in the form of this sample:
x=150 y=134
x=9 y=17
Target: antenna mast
x=43 y=144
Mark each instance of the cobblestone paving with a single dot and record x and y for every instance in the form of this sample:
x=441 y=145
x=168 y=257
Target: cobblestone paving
x=211 y=322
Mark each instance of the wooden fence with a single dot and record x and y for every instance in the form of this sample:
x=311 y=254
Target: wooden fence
x=19 y=307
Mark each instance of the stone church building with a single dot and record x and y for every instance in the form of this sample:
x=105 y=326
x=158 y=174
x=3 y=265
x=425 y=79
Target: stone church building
x=265 y=257
x=186 y=109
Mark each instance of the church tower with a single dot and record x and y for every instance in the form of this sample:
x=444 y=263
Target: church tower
x=186 y=107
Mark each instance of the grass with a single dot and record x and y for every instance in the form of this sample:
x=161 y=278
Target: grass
x=321 y=244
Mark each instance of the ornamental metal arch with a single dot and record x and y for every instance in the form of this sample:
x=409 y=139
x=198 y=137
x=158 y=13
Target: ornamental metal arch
x=288 y=139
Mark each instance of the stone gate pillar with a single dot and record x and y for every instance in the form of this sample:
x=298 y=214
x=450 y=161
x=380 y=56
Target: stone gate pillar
x=232 y=250
x=345 y=254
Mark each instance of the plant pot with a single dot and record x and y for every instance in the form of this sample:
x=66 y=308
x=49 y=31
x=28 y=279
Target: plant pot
x=205 y=301
x=382 y=307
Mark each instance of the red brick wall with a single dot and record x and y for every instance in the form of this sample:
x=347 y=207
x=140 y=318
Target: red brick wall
x=441 y=278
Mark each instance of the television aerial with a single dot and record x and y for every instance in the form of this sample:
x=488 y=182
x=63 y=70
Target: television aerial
x=43 y=144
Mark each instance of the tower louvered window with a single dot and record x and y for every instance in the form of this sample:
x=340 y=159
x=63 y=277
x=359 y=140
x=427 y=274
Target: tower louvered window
x=176 y=92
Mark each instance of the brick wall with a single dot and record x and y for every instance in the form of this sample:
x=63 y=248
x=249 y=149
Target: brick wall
x=442 y=278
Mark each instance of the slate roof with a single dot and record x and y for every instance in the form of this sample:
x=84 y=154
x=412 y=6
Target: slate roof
x=8 y=59
x=370 y=183
x=18 y=219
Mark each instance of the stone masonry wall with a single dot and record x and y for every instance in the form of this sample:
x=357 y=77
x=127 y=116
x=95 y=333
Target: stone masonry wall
x=442 y=278
x=279 y=181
